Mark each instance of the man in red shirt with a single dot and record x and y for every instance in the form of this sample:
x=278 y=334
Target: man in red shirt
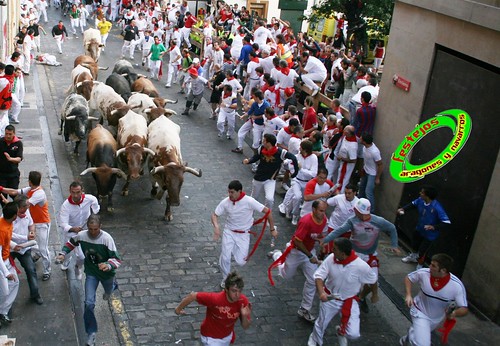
x=301 y=253
x=189 y=21
x=223 y=310
x=309 y=119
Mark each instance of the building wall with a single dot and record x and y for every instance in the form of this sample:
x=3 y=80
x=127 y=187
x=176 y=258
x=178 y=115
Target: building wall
x=473 y=29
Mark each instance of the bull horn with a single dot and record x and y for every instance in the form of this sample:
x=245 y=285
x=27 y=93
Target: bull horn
x=169 y=112
x=119 y=172
x=149 y=152
x=79 y=84
x=93 y=118
x=171 y=101
x=135 y=105
x=103 y=68
x=136 y=145
x=124 y=74
x=157 y=170
x=147 y=110
x=194 y=171
x=119 y=152
x=89 y=170
x=113 y=112
x=141 y=75
x=171 y=164
x=71 y=117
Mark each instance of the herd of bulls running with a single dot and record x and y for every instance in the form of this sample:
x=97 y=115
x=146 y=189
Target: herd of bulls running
x=139 y=134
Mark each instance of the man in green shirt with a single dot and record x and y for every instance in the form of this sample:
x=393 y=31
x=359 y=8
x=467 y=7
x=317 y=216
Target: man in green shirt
x=101 y=260
x=155 y=58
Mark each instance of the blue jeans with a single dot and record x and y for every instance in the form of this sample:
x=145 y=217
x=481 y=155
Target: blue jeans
x=30 y=269
x=91 y=283
x=367 y=189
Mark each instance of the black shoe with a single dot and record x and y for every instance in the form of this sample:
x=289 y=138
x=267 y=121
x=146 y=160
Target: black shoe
x=38 y=300
x=5 y=319
x=186 y=112
x=195 y=107
x=237 y=151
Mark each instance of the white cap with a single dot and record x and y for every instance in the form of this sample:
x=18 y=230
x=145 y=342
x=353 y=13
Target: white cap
x=363 y=206
x=196 y=61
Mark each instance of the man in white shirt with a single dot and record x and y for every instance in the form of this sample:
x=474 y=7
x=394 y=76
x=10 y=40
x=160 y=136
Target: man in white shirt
x=338 y=280
x=312 y=72
x=261 y=34
x=73 y=217
x=175 y=57
x=239 y=209
x=373 y=168
x=347 y=155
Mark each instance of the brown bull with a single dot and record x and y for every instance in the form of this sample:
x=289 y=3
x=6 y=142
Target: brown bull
x=101 y=154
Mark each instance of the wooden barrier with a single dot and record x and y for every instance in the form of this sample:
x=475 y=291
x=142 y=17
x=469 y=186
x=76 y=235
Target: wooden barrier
x=200 y=42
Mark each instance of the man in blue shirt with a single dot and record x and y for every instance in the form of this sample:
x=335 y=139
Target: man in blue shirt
x=432 y=219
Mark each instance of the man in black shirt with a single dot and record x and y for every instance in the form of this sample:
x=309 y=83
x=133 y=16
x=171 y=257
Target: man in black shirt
x=11 y=154
x=270 y=158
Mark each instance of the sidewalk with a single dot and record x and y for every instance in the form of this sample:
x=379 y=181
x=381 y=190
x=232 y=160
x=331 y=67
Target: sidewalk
x=59 y=321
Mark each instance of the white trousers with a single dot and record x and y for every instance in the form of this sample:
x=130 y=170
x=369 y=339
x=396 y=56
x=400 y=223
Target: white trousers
x=128 y=48
x=104 y=38
x=185 y=32
x=155 y=66
x=230 y=117
x=332 y=165
x=59 y=41
x=42 y=238
x=297 y=259
x=257 y=132
x=310 y=79
x=173 y=70
x=294 y=196
x=419 y=333
x=235 y=244
x=208 y=341
x=4 y=121
x=242 y=132
x=269 y=187
x=8 y=289
x=344 y=175
x=75 y=23
x=327 y=311
x=252 y=83
x=15 y=109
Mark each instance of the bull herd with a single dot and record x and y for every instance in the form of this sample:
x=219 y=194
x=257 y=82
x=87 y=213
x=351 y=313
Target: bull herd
x=139 y=134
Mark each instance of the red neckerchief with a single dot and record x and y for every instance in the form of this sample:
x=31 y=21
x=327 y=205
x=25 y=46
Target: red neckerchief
x=14 y=140
x=351 y=139
x=269 y=152
x=229 y=78
x=305 y=157
x=255 y=60
x=332 y=127
x=285 y=71
x=171 y=48
x=287 y=130
x=70 y=200
x=438 y=283
x=242 y=194
x=226 y=95
x=352 y=256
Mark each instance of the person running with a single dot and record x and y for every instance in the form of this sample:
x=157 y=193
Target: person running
x=224 y=309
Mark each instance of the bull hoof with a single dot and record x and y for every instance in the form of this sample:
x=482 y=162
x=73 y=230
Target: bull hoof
x=169 y=217
x=125 y=193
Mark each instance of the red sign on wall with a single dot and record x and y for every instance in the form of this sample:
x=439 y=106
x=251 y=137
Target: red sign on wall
x=401 y=83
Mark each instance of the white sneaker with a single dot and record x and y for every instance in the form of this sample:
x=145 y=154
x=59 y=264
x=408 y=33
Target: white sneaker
x=305 y=314
x=282 y=208
x=288 y=215
x=310 y=341
x=295 y=220
x=270 y=254
x=91 y=340
x=341 y=338
x=411 y=258
x=64 y=267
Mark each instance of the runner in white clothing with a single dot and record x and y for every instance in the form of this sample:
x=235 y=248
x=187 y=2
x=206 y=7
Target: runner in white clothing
x=441 y=297
x=239 y=209
x=338 y=280
x=73 y=216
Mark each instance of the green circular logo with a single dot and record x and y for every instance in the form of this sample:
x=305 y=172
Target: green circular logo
x=456 y=119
